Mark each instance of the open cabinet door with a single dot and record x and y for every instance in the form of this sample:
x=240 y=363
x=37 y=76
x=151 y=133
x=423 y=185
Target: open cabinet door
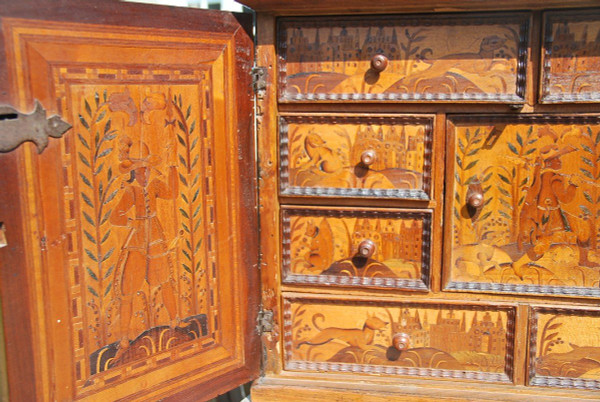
x=131 y=266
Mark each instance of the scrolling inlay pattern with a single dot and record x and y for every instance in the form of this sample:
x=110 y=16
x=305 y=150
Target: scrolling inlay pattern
x=322 y=155
x=321 y=247
x=448 y=341
x=330 y=59
x=536 y=231
x=139 y=170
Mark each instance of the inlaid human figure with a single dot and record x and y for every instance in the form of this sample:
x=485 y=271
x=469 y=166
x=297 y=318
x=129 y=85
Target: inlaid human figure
x=145 y=267
x=543 y=219
x=542 y=215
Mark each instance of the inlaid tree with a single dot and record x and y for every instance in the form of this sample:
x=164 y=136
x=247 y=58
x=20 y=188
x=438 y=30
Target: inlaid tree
x=97 y=190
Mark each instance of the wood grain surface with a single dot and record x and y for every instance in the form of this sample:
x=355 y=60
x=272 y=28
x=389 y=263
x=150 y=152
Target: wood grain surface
x=493 y=156
x=135 y=276
x=426 y=59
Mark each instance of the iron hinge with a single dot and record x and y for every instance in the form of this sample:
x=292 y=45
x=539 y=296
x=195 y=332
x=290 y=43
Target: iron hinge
x=259 y=79
x=264 y=321
x=17 y=127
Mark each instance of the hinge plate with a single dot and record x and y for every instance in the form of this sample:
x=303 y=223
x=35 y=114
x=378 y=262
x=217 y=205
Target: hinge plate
x=259 y=79
x=264 y=321
x=17 y=127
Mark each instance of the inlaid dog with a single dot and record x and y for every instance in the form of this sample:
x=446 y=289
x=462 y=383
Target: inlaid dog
x=360 y=338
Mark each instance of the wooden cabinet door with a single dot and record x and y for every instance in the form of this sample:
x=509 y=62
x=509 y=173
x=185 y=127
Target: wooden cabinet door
x=131 y=265
x=523 y=204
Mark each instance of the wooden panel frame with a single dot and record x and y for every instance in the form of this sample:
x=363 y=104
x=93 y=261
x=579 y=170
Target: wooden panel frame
x=482 y=287
x=423 y=284
x=549 y=381
x=287 y=7
x=32 y=354
x=270 y=245
x=423 y=194
x=551 y=18
x=522 y=19
x=333 y=367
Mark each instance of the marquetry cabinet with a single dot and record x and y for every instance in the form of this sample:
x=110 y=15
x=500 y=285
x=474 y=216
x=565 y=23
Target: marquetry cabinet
x=435 y=230
x=391 y=201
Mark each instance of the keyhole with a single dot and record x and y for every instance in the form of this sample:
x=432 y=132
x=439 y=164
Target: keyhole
x=9 y=116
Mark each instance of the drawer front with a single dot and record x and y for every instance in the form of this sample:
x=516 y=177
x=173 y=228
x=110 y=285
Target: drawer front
x=404 y=58
x=389 y=249
x=523 y=204
x=376 y=156
x=571 y=57
x=396 y=338
x=564 y=348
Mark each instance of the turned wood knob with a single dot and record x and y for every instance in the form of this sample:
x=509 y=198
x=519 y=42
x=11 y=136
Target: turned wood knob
x=401 y=341
x=367 y=158
x=366 y=248
x=379 y=62
x=475 y=196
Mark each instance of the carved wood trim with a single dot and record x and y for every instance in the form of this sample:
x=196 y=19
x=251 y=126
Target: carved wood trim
x=423 y=194
x=541 y=290
x=527 y=118
x=325 y=367
x=421 y=284
x=551 y=381
x=406 y=21
x=546 y=63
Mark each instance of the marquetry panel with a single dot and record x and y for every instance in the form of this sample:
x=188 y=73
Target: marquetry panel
x=322 y=247
x=134 y=218
x=571 y=57
x=400 y=338
x=537 y=182
x=429 y=58
x=377 y=156
x=564 y=348
x=141 y=199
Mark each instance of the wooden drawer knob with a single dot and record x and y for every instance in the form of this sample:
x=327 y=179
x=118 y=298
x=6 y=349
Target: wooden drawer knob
x=475 y=196
x=368 y=157
x=379 y=62
x=366 y=248
x=401 y=341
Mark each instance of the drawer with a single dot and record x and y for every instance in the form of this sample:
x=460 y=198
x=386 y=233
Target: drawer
x=460 y=57
x=571 y=57
x=523 y=204
x=368 y=248
x=564 y=348
x=367 y=156
x=459 y=341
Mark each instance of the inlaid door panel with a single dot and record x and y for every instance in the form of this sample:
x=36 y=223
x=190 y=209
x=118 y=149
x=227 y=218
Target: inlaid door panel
x=564 y=348
x=400 y=338
x=364 y=248
x=571 y=57
x=523 y=202
x=140 y=270
x=404 y=58
x=377 y=156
